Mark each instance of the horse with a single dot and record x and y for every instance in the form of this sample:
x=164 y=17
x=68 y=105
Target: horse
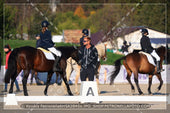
x=72 y=65
x=28 y=58
x=137 y=63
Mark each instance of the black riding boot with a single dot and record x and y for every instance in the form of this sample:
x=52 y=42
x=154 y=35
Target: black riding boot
x=56 y=67
x=158 y=67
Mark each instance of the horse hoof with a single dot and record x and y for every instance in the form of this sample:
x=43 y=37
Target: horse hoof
x=150 y=94
x=71 y=94
x=156 y=90
x=141 y=93
x=25 y=94
x=77 y=93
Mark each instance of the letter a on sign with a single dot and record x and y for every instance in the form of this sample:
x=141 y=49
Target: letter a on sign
x=90 y=92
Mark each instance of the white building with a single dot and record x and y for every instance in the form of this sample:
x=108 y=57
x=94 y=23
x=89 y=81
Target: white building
x=57 y=38
x=133 y=36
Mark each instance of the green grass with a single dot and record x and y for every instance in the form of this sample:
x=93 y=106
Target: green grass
x=111 y=57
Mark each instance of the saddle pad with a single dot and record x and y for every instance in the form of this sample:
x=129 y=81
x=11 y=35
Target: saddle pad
x=149 y=57
x=47 y=54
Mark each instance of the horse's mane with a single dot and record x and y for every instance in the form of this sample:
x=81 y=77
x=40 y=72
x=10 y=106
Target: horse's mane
x=66 y=50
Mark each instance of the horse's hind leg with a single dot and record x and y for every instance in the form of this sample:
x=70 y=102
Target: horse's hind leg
x=129 y=80
x=12 y=85
x=48 y=82
x=161 y=82
x=129 y=73
x=13 y=80
x=137 y=83
x=24 y=81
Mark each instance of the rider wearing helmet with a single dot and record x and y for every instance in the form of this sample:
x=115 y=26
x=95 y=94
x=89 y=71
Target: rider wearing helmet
x=146 y=47
x=125 y=47
x=47 y=43
x=85 y=33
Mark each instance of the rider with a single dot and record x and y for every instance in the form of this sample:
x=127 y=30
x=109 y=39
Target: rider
x=146 y=47
x=47 y=43
x=125 y=47
x=85 y=33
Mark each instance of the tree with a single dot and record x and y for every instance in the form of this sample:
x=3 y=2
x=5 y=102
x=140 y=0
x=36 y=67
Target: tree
x=79 y=12
x=10 y=25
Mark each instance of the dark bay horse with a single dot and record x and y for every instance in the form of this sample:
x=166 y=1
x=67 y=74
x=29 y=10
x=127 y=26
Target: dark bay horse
x=29 y=58
x=137 y=63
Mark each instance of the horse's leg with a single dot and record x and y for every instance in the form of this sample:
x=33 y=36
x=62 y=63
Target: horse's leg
x=129 y=73
x=66 y=83
x=32 y=75
x=13 y=79
x=97 y=77
x=48 y=82
x=12 y=85
x=137 y=82
x=161 y=82
x=24 y=81
x=150 y=83
x=77 y=68
x=68 y=73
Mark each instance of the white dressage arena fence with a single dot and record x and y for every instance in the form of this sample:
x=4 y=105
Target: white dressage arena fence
x=11 y=99
x=89 y=94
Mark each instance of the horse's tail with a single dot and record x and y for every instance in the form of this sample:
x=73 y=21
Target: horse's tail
x=12 y=66
x=117 y=69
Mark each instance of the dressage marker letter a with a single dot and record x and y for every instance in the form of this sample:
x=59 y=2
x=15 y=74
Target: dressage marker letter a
x=90 y=92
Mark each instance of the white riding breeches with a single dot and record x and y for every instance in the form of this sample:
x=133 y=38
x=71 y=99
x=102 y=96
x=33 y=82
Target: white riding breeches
x=155 y=55
x=55 y=51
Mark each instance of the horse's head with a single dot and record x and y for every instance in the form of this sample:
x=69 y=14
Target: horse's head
x=101 y=49
x=161 y=52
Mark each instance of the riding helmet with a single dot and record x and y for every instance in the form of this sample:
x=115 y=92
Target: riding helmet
x=44 y=23
x=85 y=31
x=125 y=42
x=143 y=31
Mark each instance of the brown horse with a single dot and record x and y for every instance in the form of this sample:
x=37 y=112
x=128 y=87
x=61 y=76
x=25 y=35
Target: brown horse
x=29 y=58
x=137 y=63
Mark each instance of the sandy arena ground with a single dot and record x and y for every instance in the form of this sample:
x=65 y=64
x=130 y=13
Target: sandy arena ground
x=105 y=90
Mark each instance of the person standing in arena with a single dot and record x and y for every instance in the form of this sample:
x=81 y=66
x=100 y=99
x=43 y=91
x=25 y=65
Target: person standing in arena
x=7 y=50
x=88 y=60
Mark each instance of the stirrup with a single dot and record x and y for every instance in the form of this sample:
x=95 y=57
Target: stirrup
x=158 y=71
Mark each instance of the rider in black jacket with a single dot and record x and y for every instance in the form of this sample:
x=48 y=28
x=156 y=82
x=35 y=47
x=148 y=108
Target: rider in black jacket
x=47 y=43
x=147 y=47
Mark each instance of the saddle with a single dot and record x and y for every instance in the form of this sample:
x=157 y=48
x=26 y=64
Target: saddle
x=48 y=54
x=151 y=59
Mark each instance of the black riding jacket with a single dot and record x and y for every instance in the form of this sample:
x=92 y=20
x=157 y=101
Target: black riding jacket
x=46 y=40
x=146 y=44
x=88 y=57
